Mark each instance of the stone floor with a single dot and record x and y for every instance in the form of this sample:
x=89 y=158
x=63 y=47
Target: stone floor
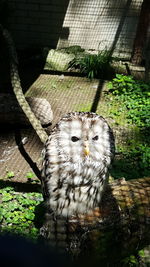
x=65 y=94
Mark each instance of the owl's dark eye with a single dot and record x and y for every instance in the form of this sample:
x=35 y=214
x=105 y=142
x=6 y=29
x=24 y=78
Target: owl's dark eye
x=95 y=137
x=74 y=139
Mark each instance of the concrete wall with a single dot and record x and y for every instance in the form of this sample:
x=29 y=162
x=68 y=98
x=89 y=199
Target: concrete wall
x=92 y=24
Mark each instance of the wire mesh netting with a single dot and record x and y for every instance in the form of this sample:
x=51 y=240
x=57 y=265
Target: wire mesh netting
x=48 y=26
x=90 y=24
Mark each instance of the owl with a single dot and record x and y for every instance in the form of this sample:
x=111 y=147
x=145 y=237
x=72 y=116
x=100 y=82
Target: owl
x=77 y=157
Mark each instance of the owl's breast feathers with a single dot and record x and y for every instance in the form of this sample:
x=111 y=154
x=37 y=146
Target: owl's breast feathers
x=74 y=187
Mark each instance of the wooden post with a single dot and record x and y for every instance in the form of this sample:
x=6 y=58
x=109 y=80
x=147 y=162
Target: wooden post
x=141 y=34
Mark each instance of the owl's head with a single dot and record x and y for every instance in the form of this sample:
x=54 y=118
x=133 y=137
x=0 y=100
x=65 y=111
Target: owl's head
x=82 y=135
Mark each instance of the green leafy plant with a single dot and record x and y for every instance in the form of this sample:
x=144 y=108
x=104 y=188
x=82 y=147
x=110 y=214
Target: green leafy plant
x=134 y=260
x=94 y=65
x=133 y=102
x=18 y=212
x=31 y=177
x=135 y=97
x=121 y=84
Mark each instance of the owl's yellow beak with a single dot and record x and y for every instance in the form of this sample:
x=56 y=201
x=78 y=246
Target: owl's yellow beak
x=86 y=149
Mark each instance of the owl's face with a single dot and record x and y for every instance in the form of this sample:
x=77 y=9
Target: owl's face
x=84 y=137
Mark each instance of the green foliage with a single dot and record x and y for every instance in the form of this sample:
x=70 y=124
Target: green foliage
x=31 y=178
x=94 y=65
x=130 y=261
x=134 y=103
x=134 y=260
x=133 y=162
x=10 y=174
x=18 y=212
x=121 y=84
x=135 y=97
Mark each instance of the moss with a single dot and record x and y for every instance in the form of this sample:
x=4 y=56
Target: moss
x=58 y=60
x=74 y=49
x=83 y=107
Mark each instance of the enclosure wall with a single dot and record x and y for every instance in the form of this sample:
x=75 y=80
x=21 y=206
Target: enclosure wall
x=92 y=24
